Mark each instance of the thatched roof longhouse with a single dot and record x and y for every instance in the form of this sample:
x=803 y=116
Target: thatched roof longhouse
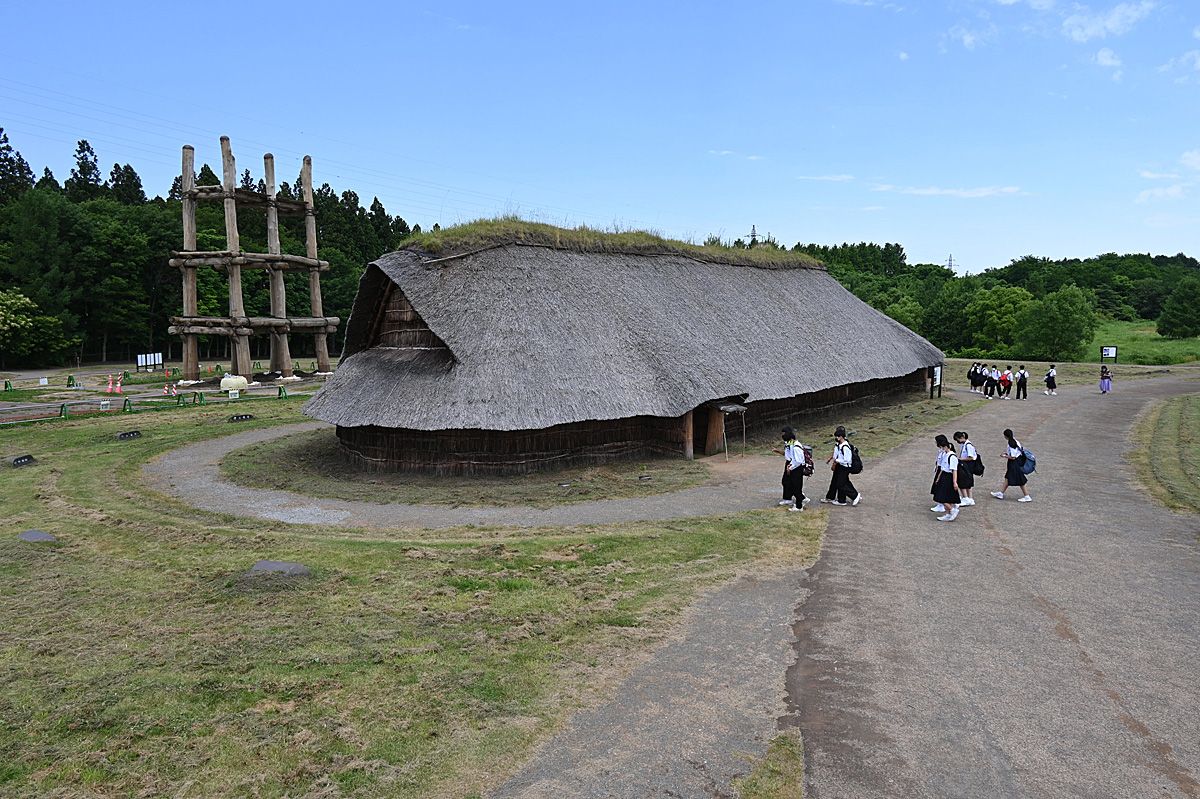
x=538 y=336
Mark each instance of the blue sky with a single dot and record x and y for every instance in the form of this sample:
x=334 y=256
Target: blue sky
x=986 y=129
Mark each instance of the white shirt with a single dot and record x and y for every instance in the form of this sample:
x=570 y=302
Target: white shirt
x=794 y=455
x=1052 y=373
x=1022 y=375
x=968 y=451
x=841 y=454
x=1015 y=453
x=996 y=375
x=947 y=461
x=1008 y=374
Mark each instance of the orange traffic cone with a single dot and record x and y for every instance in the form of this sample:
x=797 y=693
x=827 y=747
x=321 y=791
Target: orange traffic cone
x=109 y=389
x=165 y=392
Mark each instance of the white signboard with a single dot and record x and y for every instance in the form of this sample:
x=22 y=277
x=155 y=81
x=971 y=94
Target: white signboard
x=937 y=375
x=43 y=381
x=149 y=360
x=1108 y=352
x=105 y=405
x=235 y=393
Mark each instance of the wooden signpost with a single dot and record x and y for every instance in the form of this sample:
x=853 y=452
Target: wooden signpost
x=232 y=260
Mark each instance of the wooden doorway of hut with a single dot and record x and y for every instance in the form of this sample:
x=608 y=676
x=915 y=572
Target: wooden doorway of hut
x=712 y=427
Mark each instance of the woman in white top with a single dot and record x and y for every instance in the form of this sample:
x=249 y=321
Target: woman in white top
x=841 y=490
x=945 y=481
x=967 y=458
x=793 y=471
x=1013 y=476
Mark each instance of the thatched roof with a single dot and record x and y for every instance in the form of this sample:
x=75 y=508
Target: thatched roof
x=543 y=336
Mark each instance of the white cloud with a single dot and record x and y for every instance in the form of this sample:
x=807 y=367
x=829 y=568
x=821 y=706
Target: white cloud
x=1036 y=5
x=1196 y=32
x=1174 y=192
x=966 y=37
x=1148 y=175
x=1085 y=24
x=1191 y=159
x=754 y=158
x=828 y=178
x=721 y=152
x=1107 y=58
x=1189 y=63
x=903 y=56
x=938 y=191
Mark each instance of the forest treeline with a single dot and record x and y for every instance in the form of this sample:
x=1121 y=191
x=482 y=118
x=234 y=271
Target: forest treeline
x=84 y=276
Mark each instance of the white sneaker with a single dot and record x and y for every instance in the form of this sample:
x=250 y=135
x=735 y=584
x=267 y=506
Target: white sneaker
x=1046 y=392
x=795 y=508
x=938 y=509
x=968 y=501
x=1054 y=393
x=998 y=495
x=835 y=502
x=826 y=500
x=857 y=500
x=946 y=518
x=806 y=501
x=1025 y=498
x=783 y=502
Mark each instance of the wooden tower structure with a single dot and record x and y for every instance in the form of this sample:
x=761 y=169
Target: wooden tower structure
x=232 y=260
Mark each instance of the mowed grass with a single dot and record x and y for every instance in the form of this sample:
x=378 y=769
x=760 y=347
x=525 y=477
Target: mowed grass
x=1069 y=374
x=136 y=659
x=1139 y=343
x=779 y=774
x=310 y=463
x=1167 y=452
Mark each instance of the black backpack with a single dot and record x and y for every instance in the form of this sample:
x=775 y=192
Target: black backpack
x=855 y=460
x=977 y=465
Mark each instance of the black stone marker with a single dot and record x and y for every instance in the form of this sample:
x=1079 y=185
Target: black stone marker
x=17 y=461
x=280 y=567
x=34 y=536
x=128 y=434
x=241 y=417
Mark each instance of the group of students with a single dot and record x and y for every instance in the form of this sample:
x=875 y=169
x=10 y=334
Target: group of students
x=991 y=382
x=953 y=477
x=797 y=464
x=955 y=473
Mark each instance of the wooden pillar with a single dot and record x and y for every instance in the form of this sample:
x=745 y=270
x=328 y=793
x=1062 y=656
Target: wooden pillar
x=714 y=441
x=688 y=436
x=187 y=183
x=281 y=355
x=314 y=275
x=237 y=308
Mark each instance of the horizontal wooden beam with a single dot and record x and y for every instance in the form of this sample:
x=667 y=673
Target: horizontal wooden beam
x=248 y=197
x=251 y=260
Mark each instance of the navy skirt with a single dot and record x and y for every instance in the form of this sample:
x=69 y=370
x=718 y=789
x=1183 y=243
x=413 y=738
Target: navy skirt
x=1013 y=474
x=943 y=489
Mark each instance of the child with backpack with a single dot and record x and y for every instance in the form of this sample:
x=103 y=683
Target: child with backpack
x=1020 y=463
x=945 y=481
x=970 y=466
x=1051 y=379
x=844 y=462
x=797 y=464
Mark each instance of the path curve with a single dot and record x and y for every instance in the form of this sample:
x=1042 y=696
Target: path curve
x=192 y=474
x=1048 y=649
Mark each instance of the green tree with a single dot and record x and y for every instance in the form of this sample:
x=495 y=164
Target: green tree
x=1181 y=312
x=47 y=181
x=1059 y=326
x=207 y=177
x=992 y=316
x=125 y=185
x=907 y=311
x=16 y=325
x=16 y=177
x=86 y=182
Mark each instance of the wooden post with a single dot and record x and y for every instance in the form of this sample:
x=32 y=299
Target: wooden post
x=715 y=439
x=688 y=437
x=191 y=350
x=321 y=340
x=281 y=356
x=237 y=308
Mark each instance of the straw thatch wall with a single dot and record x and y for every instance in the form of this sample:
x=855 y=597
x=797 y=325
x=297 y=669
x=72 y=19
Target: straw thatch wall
x=546 y=344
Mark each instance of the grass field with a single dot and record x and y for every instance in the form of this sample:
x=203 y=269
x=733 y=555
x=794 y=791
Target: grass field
x=1069 y=374
x=136 y=659
x=310 y=463
x=1139 y=343
x=1171 y=430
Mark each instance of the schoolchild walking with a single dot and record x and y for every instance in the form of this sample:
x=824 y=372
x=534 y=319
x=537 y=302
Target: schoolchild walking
x=989 y=381
x=977 y=377
x=1051 y=379
x=968 y=457
x=1022 y=383
x=794 y=464
x=971 y=377
x=945 y=481
x=841 y=490
x=1013 y=475
x=1105 y=380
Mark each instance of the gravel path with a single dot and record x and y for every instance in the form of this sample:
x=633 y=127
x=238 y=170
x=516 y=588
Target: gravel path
x=192 y=473
x=1048 y=649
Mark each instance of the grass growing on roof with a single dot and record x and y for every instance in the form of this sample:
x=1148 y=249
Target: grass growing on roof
x=485 y=233
x=309 y=463
x=135 y=658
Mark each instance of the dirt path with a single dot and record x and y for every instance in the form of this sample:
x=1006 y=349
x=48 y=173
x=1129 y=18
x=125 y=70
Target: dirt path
x=192 y=473
x=1041 y=649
